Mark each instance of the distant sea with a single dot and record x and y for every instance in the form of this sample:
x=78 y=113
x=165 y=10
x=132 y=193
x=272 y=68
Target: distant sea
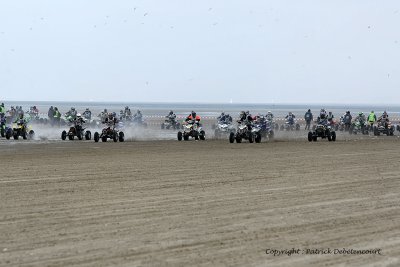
x=182 y=109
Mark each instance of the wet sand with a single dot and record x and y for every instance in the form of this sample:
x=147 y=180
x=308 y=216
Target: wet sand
x=170 y=203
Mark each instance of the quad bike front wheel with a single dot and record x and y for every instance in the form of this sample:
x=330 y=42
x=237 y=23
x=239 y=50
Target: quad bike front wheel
x=251 y=137
x=231 y=137
x=63 y=135
x=202 y=135
x=333 y=135
x=179 y=136
x=96 y=137
x=121 y=136
x=31 y=134
x=310 y=136
x=257 y=138
x=9 y=134
x=88 y=135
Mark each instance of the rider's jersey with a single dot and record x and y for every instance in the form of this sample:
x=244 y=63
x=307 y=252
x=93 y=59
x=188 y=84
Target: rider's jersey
x=190 y=118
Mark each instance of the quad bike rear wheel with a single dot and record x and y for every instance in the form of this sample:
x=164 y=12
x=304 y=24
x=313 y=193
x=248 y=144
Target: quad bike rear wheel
x=96 y=137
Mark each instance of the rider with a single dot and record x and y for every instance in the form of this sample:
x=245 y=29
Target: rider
x=138 y=117
x=103 y=115
x=2 y=109
x=193 y=117
x=347 y=120
x=71 y=114
x=290 y=118
x=322 y=118
x=308 y=117
x=371 y=118
x=361 y=118
x=56 y=115
x=111 y=120
x=78 y=120
x=50 y=113
x=245 y=117
x=87 y=114
x=19 y=118
x=222 y=118
x=171 y=116
x=330 y=118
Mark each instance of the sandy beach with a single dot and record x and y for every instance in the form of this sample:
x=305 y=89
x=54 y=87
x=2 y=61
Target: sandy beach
x=170 y=203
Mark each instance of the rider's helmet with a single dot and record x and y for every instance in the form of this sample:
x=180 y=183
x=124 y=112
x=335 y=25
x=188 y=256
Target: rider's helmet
x=78 y=115
x=222 y=113
x=247 y=112
x=87 y=109
x=171 y=112
x=110 y=115
x=269 y=112
x=55 y=108
x=138 y=111
x=290 y=113
x=126 y=107
x=193 y=114
x=309 y=110
x=21 y=116
x=72 y=108
x=242 y=113
x=105 y=110
x=360 y=114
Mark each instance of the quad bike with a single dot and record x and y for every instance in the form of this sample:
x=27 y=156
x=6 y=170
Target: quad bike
x=20 y=128
x=109 y=132
x=290 y=125
x=170 y=123
x=323 y=131
x=191 y=129
x=358 y=127
x=262 y=130
x=78 y=131
x=384 y=127
x=242 y=132
x=223 y=128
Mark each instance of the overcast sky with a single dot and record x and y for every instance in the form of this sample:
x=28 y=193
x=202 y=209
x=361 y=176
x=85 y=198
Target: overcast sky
x=201 y=51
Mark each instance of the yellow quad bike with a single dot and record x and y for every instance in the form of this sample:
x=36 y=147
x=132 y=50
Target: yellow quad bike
x=20 y=128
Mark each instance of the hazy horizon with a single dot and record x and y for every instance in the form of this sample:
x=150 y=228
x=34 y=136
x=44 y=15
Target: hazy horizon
x=279 y=52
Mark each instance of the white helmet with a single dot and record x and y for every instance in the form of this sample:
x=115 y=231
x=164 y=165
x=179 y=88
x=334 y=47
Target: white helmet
x=78 y=115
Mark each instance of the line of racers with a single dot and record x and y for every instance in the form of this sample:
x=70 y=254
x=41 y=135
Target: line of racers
x=249 y=127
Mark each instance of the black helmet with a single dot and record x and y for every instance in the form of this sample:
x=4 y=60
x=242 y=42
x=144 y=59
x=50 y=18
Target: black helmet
x=193 y=114
x=171 y=112
x=309 y=110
